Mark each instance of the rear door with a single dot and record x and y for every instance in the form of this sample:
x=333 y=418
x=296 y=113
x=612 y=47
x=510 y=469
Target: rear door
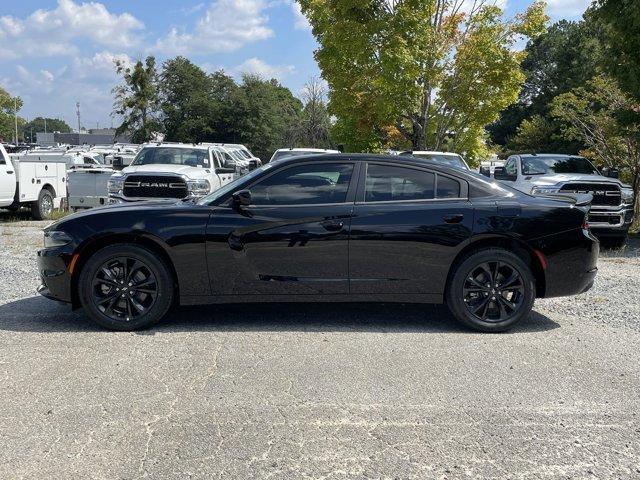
x=408 y=225
x=292 y=240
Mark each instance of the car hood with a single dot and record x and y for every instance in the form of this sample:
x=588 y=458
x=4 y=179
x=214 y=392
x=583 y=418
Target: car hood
x=559 y=178
x=162 y=168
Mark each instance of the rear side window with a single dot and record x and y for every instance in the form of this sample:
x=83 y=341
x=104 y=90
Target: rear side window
x=448 y=187
x=385 y=183
x=304 y=185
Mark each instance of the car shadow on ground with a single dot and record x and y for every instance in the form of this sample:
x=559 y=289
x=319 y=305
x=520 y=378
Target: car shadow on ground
x=37 y=314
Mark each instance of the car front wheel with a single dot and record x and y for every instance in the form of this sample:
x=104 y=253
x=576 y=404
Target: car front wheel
x=491 y=290
x=126 y=287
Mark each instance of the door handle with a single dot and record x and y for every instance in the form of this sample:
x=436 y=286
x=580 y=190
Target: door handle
x=455 y=218
x=9 y=172
x=332 y=226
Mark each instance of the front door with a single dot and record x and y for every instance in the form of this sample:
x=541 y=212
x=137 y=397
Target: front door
x=292 y=239
x=408 y=225
x=7 y=180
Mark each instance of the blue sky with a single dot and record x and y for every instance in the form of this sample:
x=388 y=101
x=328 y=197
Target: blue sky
x=56 y=52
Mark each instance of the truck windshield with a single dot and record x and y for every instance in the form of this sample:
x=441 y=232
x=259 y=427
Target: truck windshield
x=190 y=157
x=551 y=165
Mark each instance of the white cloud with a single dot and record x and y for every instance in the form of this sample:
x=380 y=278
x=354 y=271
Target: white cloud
x=227 y=25
x=256 y=66
x=52 y=32
x=567 y=8
x=301 y=22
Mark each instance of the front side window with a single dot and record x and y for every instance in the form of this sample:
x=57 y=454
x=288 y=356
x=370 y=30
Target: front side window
x=304 y=185
x=390 y=183
x=172 y=156
x=510 y=168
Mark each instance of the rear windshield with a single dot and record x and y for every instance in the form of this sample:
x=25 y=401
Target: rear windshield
x=190 y=157
x=551 y=165
x=450 y=160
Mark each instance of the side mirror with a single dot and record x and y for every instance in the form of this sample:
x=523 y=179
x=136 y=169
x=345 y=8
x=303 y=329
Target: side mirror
x=242 y=198
x=225 y=170
x=499 y=173
x=117 y=163
x=486 y=171
x=611 y=172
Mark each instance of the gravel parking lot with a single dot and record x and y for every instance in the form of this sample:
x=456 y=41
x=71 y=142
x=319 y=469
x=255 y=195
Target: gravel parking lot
x=319 y=391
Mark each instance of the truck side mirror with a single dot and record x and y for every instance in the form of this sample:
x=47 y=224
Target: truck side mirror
x=499 y=173
x=242 y=198
x=486 y=171
x=611 y=172
x=117 y=163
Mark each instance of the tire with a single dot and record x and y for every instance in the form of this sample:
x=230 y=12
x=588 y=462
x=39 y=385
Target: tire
x=142 y=276
x=469 y=281
x=42 y=209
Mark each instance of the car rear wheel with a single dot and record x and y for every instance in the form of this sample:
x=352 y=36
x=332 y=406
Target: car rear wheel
x=126 y=287
x=491 y=290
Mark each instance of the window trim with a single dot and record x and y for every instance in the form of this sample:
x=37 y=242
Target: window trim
x=349 y=199
x=360 y=196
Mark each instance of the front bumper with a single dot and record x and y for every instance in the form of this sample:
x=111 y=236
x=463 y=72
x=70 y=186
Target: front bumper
x=611 y=219
x=53 y=267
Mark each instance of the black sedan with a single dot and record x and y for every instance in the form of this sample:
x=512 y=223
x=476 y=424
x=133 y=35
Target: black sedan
x=326 y=228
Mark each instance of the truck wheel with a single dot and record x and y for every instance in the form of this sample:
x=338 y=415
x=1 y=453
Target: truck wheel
x=491 y=290
x=43 y=208
x=125 y=287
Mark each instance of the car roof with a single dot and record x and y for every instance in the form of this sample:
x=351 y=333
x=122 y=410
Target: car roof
x=303 y=149
x=176 y=145
x=548 y=155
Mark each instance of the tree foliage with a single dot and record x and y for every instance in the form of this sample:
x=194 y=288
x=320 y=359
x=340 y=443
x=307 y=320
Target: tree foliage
x=7 y=114
x=137 y=100
x=591 y=113
x=29 y=129
x=432 y=69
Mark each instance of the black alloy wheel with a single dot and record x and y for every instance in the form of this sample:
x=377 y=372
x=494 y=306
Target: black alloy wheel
x=126 y=287
x=493 y=291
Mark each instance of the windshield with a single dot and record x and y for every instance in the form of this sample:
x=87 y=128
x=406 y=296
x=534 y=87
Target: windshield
x=450 y=160
x=215 y=195
x=551 y=165
x=190 y=157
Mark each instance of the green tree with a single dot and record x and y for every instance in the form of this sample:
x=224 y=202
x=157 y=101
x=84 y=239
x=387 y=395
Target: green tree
x=265 y=115
x=36 y=125
x=8 y=110
x=591 y=114
x=187 y=102
x=435 y=71
x=137 y=100
x=565 y=57
x=621 y=19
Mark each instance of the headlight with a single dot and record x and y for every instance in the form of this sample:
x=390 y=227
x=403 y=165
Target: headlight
x=199 y=187
x=627 y=195
x=56 y=238
x=115 y=184
x=543 y=190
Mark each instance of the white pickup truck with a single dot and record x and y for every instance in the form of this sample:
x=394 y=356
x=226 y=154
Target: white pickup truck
x=170 y=171
x=35 y=181
x=611 y=210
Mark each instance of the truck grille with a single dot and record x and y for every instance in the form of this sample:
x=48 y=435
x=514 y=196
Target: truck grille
x=155 y=186
x=605 y=194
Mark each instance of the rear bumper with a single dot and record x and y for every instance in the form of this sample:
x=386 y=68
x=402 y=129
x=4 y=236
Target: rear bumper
x=572 y=259
x=54 y=274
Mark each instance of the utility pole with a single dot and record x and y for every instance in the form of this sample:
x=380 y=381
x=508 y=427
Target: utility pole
x=78 y=113
x=15 y=115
